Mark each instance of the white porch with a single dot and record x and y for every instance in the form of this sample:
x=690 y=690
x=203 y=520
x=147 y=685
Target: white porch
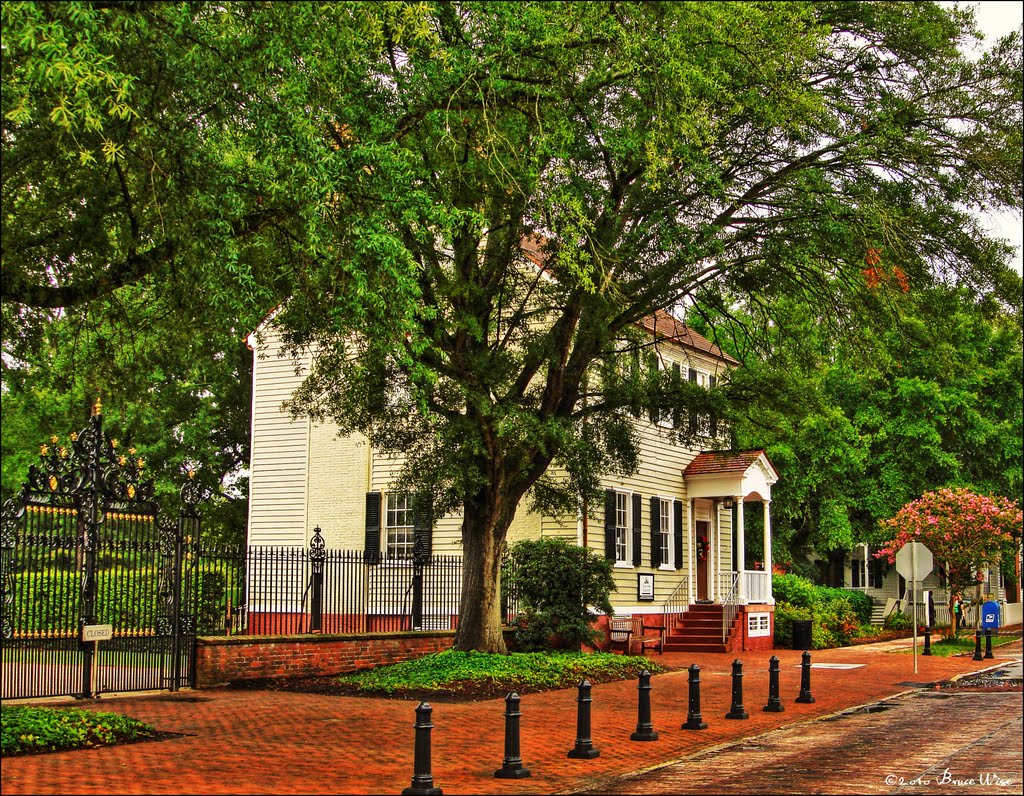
x=731 y=480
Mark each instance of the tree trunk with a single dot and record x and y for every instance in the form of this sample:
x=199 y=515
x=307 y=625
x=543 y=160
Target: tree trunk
x=484 y=528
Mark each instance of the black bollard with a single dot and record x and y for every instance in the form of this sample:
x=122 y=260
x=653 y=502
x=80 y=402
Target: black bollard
x=805 y=679
x=736 y=711
x=422 y=779
x=988 y=643
x=644 y=728
x=927 y=640
x=977 y=646
x=693 y=717
x=584 y=749
x=774 y=703
x=512 y=765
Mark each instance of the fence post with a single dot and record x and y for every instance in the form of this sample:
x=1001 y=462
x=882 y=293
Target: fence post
x=89 y=512
x=417 y=593
x=317 y=554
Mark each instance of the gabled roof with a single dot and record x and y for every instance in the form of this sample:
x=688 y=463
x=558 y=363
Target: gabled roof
x=717 y=474
x=666 y=326
x=722 y=462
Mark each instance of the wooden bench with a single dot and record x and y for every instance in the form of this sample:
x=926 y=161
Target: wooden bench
x=627 y=631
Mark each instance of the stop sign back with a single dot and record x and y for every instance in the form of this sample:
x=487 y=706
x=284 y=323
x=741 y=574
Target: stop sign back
x=914 y=561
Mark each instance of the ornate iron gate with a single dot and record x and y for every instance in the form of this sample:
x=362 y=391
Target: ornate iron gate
x=86 y=552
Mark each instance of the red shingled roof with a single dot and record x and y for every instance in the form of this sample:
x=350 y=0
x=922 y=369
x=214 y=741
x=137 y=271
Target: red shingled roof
x=716 y=462
x=665 y=325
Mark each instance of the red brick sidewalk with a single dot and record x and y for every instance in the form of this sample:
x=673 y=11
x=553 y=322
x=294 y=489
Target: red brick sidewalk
x=240 y=741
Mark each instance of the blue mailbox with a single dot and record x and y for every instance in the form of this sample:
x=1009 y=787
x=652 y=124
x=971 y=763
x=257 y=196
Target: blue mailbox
x=990 y=615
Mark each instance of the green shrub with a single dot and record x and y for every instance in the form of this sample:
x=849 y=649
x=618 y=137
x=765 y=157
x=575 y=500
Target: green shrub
x=898 y=620
x=557 y=583
x=785 y=613
x=793 y=589
x=27 y=729
x=836 y=614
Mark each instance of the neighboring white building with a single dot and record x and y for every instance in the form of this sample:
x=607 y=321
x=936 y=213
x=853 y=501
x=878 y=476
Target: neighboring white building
x=889 y=591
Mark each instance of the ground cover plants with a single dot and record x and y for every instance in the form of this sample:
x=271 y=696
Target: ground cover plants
x=491 y=675
x=28 y=729
x=454 y=676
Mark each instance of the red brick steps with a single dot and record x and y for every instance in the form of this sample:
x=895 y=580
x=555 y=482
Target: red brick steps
x=700 y=630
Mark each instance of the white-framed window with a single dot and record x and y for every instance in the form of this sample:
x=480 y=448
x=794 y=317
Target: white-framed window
x=623 y=529
x=665 y=518
x=398 y=525
x=758 y=625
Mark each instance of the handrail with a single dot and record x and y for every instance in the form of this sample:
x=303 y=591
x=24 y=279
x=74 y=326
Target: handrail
x=729 y=607
x=675 y=606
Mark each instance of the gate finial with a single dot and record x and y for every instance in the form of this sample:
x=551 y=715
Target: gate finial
x=97 y=408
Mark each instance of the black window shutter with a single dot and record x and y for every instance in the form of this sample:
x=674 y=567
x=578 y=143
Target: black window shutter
x=655 y=532
x=371 y=544
x=609 y=524
x=678 y=510
x=422 y=525
x=638 y=531
x=677 y=374
x=712 y=381
x=693 y=415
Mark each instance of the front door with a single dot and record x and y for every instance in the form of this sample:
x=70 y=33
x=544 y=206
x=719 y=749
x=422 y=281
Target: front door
x=702 y=546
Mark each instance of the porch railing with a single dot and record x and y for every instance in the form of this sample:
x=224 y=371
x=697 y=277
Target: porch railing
x=729 y=608
x=757 y=586
x=677 y=603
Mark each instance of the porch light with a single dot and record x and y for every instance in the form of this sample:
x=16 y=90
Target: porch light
x=727 y=502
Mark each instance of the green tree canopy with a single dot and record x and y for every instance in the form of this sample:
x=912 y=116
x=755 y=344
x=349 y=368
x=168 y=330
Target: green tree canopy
x=376 y=168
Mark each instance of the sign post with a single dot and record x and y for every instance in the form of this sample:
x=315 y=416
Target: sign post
x=914 y=562
x=96 y=634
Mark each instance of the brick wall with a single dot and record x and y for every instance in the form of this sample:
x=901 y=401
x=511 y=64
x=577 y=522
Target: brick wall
x=221 y=660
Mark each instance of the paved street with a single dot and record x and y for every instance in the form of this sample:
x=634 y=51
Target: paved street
x=232 y=741
x=922 y=742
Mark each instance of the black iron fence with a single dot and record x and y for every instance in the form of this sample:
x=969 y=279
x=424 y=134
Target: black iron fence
x=265 y=590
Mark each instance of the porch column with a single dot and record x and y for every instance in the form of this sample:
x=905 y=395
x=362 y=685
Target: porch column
x=741 y=552
x=864 y=580
x=768 y=547
x=691 y=552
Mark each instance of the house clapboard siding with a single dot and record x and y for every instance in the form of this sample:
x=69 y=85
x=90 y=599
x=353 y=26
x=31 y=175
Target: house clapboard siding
x=279 y=459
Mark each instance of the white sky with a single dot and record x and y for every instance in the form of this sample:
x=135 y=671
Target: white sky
x=997 y=18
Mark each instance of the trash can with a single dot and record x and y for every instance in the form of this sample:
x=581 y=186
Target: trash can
x=801 y=634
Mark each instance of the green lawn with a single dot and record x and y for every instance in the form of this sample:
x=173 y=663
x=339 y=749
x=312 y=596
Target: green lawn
x=947 y=647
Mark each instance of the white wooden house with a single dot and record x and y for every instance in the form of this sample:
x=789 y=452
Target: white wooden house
x=889 y=591
x=675 y=529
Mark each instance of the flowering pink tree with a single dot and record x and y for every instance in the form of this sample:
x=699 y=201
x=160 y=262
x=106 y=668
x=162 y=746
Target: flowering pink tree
x=965 y=531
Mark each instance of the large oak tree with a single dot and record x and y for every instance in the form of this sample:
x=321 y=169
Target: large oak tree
x=376 y=168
